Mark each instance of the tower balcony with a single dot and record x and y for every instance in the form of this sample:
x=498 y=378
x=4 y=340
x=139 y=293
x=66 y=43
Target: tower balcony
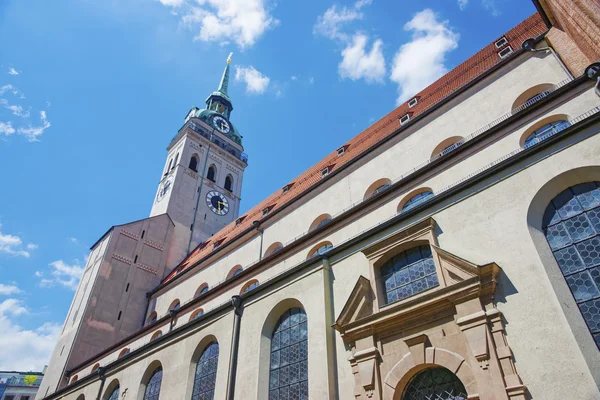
x=237 y=153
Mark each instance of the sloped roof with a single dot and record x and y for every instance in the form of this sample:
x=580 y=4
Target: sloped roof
x=463 y=74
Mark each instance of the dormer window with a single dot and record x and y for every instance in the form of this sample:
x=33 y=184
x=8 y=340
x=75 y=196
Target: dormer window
x=287 y=188
x=218 y=243
x=505 y=52
x=413 y=102
x=267 y=210
x=239 y=220
x=501 y=42
x=341 y=150
x=404 y=119
x=324 y=172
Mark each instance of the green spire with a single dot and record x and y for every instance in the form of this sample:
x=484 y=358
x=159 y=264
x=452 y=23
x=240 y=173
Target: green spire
x=225 y=79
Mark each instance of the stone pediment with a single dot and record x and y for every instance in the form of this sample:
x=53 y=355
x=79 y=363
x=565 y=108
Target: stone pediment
x=457 y=273
x=359 y=303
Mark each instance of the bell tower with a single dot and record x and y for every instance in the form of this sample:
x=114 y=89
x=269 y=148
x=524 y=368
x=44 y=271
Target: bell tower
x=201 y=183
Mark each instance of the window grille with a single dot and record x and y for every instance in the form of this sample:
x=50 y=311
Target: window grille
x=416 y=200
x=115 y=394
x=545 y=132
x=288 y=377
x=435 y=384
x=206 y=373
x=408 y=273
x=572 y=227
x=153 y=388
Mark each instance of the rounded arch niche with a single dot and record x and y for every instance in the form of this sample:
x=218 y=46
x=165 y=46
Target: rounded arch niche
x=530 y=93
x=398 y=380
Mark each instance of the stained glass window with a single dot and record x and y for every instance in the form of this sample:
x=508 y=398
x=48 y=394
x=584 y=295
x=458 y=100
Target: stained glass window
x=572 y=227
x=288 y=378
x=114 y=394
x=545 y=132
x=153 y=387
x=409 y=273
x=416 y=200
x=206 y=373
x=435 y=384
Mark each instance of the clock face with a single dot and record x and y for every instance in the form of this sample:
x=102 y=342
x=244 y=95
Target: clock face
x=217 y=202
x=221 y=124
x=164 y=188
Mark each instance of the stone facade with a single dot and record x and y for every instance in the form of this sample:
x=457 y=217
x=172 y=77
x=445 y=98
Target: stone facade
x=451 y=206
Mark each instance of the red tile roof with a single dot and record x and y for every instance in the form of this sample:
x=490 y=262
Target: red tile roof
x=441 y=89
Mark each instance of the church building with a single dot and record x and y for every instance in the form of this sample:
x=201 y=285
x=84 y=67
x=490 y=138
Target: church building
x=450 y=251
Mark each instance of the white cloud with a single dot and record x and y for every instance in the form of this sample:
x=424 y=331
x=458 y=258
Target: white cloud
x=6 y=128
x=294 y=77
x=462 y=4
x=311 y=80
x=492 y=7
x=33 y=132
x=421 y=61
x=240 y=21
x=332 y=21
x=74 y=240
x=16 y=109
x=358 y=63
x=172 y=3
x=7 y=290
x=24 y=349
x=255 y=81
x=62 y=274
x=12 y=71
x=13 y=245
x=32 y=246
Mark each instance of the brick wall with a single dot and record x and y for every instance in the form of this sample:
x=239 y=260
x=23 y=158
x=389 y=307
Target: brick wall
x=580 y=20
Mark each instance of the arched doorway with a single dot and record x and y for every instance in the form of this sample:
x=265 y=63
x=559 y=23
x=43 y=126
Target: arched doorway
x=436 y=383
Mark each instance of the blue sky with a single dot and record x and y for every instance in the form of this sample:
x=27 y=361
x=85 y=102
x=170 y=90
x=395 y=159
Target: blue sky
x=91 y=92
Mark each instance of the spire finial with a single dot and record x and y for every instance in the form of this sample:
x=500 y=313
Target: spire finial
x=225 y=79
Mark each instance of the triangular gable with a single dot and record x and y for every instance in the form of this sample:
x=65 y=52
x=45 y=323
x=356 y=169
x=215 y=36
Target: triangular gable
x=454 y=268
x=359 y=303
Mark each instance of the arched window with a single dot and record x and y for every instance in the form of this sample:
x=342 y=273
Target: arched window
x=435 y=383
x=74 y=379
x=156 y=335
x=532 y=95
x=288 y=372
x=95 y=367
x=153 y=386
x=572 y=227
x=206 y=373
x=201 y=290
x=249 y=286
x=545 y=132
x=114 y=394
x=237 y=272
x=446 y=146
x=169 y=167
x=408 y=273
x=320 y=249
x=194 y=163
x=175 y=305
x=229 y=183
x=152 y=318
x=176 y=159
x=197 y=314
x=123 y=352
x=212 y=173
x=416 y=200
x=320 y=221
x=273 y=248
x=378 y=186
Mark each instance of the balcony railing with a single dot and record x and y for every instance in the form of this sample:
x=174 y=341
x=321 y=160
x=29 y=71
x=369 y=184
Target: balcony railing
x=209 y=136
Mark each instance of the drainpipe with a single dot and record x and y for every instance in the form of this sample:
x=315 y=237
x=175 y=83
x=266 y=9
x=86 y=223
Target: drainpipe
x=101 y=371
x=236 y=302
x=199 y=191
x=257 y=227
